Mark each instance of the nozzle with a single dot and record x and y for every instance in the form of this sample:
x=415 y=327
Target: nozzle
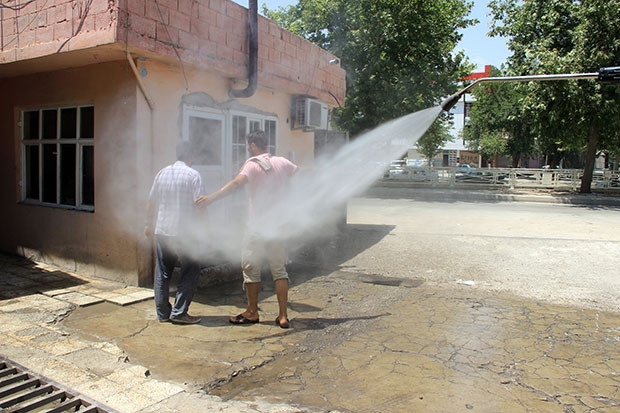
x=450 y=101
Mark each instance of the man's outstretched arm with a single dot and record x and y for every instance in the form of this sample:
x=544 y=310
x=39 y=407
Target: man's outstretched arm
x=229 y=187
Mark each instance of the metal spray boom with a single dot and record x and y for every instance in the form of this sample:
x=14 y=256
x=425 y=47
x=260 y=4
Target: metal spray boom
x=605 y=74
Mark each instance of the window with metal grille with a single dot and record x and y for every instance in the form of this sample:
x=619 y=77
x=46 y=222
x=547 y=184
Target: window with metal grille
x=58 y=156
x=241 y=126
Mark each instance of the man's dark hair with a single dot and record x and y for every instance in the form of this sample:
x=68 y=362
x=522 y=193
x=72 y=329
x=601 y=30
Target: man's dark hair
x=185 y=150
x=258 y=138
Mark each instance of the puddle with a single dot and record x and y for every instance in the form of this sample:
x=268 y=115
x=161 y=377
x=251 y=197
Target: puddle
x=364 y=344
x=449 y=351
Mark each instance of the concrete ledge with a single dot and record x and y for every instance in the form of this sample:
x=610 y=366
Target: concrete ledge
x=413 y=191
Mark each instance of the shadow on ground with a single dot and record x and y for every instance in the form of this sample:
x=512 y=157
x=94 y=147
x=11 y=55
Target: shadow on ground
x=312 y=259
x=22 y=277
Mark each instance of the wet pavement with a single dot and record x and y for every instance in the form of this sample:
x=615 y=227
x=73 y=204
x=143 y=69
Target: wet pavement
x=421 y=305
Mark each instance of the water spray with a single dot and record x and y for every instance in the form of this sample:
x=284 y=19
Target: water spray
x=605 y=75
x=315 y=199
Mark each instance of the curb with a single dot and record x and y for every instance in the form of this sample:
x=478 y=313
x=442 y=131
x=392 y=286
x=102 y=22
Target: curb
x=490 y=195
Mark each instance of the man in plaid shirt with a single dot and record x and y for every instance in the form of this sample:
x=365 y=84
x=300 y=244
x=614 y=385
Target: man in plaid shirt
x=171 y=218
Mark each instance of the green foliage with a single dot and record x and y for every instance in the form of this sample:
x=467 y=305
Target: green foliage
x=398 y=54
x=492 y=144
x=598 y=44
x=564 y=36
x=497 y=112
x=433 y=140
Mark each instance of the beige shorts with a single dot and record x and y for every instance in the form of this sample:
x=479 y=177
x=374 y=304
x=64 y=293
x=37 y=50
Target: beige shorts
x=255 y=251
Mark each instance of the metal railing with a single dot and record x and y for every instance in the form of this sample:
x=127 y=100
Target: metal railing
x=513 y=178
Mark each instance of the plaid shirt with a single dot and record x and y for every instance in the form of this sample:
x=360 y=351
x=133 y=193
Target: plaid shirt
x=174 y=191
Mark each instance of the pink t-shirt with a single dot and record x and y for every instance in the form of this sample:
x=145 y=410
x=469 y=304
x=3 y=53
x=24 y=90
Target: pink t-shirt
x=266 y=187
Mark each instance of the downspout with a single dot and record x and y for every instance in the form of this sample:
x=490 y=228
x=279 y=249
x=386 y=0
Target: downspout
x=253 y=53
x=144 y=248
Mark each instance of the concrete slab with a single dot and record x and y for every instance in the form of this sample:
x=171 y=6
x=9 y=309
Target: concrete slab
x=78 y=299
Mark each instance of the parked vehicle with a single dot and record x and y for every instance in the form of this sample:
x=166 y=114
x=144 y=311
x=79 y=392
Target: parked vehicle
x=463 y=169
x=465 y=173
x=397 y=169
x=421 y=174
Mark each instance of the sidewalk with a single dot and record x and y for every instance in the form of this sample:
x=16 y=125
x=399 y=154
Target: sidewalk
x=35 y=302
x=386 y=189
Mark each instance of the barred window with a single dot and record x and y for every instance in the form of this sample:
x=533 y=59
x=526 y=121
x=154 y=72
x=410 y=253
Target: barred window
x=241 y=126
x=58 y=156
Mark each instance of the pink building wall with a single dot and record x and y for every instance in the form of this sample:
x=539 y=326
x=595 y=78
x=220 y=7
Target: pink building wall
x=210 y=34
x=61 y=52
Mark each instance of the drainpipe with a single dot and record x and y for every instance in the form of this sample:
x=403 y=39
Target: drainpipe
x=144 y=249
x=253 y=55
x=605 y=75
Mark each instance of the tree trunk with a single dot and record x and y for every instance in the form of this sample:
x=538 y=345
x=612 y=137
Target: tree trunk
x=588 y=168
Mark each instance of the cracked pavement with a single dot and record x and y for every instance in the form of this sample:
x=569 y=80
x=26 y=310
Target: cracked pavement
x=420 y=306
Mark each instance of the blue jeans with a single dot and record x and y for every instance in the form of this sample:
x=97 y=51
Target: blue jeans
x=169 y=251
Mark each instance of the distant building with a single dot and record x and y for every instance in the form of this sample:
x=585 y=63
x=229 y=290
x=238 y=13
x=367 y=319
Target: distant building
x=455 y=152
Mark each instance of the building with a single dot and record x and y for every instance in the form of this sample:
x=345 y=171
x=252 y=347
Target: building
x=456 y=152
x=96 y=93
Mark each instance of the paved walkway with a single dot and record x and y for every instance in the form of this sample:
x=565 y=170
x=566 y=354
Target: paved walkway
x=35 y=301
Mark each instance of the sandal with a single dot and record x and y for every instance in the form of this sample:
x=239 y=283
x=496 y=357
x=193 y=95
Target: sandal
x=286 y=323
x=241 y=319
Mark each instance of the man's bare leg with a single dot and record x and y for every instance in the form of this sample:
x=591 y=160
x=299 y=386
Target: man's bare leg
x=251 y=313
x=282 y=295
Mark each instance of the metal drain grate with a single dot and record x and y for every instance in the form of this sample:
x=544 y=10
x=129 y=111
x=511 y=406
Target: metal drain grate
x=24 y=391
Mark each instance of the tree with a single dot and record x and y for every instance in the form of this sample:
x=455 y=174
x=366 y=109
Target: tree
x=498 y=123
x=565 y=36
x=398 y=53
x=598 y=44
x=492 y=144
x=432 y=141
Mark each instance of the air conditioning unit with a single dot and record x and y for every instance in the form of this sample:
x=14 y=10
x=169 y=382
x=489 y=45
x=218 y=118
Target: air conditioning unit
x=310 y=113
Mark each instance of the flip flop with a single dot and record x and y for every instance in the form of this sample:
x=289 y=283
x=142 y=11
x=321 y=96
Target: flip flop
x=283 y=325
x=241 y=319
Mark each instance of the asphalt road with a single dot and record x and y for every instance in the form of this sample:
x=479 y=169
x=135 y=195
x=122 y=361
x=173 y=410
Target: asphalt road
x=452 y=306
x=566 y=254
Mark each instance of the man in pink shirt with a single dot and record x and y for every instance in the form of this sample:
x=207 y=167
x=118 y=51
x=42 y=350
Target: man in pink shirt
x=265 y=176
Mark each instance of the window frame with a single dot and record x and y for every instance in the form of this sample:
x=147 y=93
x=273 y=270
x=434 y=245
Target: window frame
x=252 y=122
x=237 y=124
x=59 y=142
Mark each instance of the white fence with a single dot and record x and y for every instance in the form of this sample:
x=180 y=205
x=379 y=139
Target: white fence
x=560 y=179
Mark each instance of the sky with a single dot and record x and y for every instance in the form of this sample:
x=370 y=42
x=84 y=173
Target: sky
x=481 y=49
